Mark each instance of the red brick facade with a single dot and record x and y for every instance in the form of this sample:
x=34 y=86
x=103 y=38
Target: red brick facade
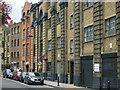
x=27 y=40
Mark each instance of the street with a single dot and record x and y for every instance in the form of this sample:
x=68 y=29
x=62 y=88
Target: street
x=9 y=83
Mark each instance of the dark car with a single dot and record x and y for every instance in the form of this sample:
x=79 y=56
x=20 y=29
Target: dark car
x=17 y=75
x=6 y=73
x=22 y=76
x=33 y=78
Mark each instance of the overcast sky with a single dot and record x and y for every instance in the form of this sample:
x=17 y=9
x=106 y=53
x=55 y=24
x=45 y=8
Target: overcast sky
x=17 y=5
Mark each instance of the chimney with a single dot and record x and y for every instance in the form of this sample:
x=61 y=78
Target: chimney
x=11 y=21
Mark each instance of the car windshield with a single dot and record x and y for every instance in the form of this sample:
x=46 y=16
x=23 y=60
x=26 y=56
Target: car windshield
x=8 y=70
x=34 y=74
x=37 y=74
x=19 y=73
x=24 y=73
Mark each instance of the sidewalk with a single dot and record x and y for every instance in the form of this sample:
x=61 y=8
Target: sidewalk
x=61 y=85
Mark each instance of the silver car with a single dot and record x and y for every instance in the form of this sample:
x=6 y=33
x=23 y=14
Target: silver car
x=33 y=78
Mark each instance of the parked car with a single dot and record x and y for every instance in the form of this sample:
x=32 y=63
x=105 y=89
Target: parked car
x=33 y=78
x=6 y=73
x=11 y=74
x=17 y=75
x=22 y=76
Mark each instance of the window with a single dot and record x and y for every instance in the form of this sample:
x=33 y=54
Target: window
x=28 y=33
x=23 y=50
x=71 y=46
x=59 y=16
x=28 y=16
x=110 y=26
x=15 y=42
x=71 y=21
x=12 y=31
x=18 y=29
x=89 y=33
x=17 y=54
x=18 y=42
x=59 y=42
x=23 y=65
x=88 y=4
x=14 y=54
x=11 y=54
x=15 y=30
x=12 y=43
x=27 y=49
x=24 y=34
x=50 y=4
x=24 y=18
x=49 y=66
x=50 y=22
x=49 y=45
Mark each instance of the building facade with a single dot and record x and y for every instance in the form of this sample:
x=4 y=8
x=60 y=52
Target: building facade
x=80 y=40
x=5 y=47
x=25 y=39
x=15 y=45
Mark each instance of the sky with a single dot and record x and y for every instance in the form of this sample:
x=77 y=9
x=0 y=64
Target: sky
x=17 y=6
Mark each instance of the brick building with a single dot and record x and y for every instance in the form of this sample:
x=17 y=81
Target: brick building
x=80 y=39
x=5 y=31
x=25 y=39
x=15 y=45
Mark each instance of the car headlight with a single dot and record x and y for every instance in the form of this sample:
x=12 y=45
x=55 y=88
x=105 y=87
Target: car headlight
x=31 y=79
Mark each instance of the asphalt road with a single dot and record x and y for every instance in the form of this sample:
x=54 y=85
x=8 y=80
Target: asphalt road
x=9 y=83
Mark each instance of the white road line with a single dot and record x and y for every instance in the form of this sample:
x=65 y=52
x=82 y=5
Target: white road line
x=43 y=86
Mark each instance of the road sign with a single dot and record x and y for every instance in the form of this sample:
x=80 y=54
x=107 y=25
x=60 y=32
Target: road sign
x=40 y=63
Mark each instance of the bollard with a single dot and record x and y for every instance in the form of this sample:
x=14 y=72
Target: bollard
x=58 y=80
x=108 y=85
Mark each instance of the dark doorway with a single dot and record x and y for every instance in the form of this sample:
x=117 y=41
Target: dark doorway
x=87 y=73
x=109 y=72
x=71 y=72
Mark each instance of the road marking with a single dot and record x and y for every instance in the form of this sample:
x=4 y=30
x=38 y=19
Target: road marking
x=43 y=86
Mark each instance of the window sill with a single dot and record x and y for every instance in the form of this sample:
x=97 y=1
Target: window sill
x=58 y=23
x=71 y=53
x=71 y=28
x=110 y=36
x=49 y=28
x=59 y=48
x=88 y=41
x=88 y=8
x=49 y=49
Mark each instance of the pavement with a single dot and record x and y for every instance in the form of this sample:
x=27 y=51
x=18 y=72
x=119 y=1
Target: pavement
x=64 y=85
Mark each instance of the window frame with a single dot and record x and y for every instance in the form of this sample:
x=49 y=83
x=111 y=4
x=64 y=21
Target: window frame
x=108 y=25
x=71 y=47
x=71 y=21
x=49 y=45
x=59 y=42
x=23 y=34
x=88 y=33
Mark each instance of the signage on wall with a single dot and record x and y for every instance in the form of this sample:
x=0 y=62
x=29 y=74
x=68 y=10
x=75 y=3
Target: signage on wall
x=96 y=68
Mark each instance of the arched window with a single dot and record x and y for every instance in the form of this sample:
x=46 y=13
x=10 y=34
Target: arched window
x=41 y=13
x=24 y=18
x=28 y=15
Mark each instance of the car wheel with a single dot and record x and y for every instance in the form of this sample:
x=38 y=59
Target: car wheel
x=27 y=83
x=24 y=82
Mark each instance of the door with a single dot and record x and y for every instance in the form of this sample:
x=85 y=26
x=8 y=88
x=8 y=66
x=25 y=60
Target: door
x=109 y=72
x=87 y=73
x=71 y=72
